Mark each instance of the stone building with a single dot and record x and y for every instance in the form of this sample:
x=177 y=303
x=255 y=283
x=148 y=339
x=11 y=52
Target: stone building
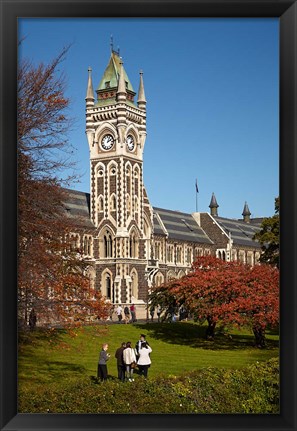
x=130 y=245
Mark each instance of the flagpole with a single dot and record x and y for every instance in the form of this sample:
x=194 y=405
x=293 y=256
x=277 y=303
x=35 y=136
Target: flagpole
x=196 y=188
x=196 y=201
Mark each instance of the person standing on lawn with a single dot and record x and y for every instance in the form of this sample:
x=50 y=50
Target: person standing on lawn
x=120 y=362
x=159 y=311
x=127 y=314
x=138 y=344
x=102 y=366
x=133 y=313
x=119 y=311
x=152 y=312
x=144 y=361
x=129 y=358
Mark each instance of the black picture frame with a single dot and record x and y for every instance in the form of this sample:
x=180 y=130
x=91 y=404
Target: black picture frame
x=286 y=11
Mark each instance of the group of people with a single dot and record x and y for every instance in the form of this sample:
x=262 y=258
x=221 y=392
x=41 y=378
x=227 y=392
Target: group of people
x=128 y=359
x=129 y=313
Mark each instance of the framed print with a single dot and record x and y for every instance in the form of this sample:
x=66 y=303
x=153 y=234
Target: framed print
x=122 y=195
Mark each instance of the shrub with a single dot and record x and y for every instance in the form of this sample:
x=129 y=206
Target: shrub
x=253 y=389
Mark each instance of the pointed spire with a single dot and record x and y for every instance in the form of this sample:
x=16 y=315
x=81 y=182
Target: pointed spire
x=246 y=213
x=141 y=102
x=90 y=92
x=213 y=206
x=121 y=93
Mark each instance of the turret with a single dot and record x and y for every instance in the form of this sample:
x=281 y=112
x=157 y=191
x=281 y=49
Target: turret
x=141 y=102
x=90 y=99
x=213 y=206
x=246 y=213
x=121 y=92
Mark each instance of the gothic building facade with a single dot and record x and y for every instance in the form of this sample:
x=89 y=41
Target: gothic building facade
x=130 y=245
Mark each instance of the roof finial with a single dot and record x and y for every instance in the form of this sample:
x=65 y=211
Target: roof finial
x=111 y=43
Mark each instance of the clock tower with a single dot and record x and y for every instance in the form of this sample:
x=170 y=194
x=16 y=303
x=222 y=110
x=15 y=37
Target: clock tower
x=119 y=208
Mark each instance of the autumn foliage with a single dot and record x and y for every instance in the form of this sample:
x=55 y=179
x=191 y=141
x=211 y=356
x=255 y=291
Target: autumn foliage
x=52 y=276
x=226 y=292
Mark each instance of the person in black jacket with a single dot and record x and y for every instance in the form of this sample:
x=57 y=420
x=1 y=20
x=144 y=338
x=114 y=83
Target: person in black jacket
x=102 y=367
x=138 y=344
x=120 y=362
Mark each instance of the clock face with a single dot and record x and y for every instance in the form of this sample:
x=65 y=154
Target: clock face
x=130 y=142
x=107 y=142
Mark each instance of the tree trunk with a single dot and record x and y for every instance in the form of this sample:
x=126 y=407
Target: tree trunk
x=260 y=337
x=210 y=331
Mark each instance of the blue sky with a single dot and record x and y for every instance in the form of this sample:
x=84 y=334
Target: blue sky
x=212 y=102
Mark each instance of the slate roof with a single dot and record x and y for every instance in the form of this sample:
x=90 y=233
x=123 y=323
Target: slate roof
x=77 y=205
x=179 y=226
x=241 y=232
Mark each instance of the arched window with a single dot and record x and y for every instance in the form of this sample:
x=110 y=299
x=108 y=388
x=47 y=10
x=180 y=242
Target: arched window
x=134 y=285
x=189 y=256
x=128 y=203
x=100 y=204
x=108 y=245
x=74 y=243
x=108 y=286
x=87 y=245
x=128 y=178
x=159 y=279
x=135 y=204
x=170 y=253
x=157 y=250
x=133 y=245
x=113 y=203
x=136 y=181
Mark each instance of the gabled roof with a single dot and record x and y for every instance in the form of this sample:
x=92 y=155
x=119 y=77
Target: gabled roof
x=179 y=226
x=241 y=232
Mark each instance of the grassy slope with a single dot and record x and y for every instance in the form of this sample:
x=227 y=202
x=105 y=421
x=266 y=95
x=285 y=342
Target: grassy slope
x=176 y=348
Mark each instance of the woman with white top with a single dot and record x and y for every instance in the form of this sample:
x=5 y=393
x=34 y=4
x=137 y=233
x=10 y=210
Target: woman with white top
x=129 y=357
x=144 y=361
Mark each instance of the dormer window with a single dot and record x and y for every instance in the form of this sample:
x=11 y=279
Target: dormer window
x=126 y=85
x=107 y=84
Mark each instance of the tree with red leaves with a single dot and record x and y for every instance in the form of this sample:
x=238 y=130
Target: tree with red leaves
x=226 y=292
x=52 y=277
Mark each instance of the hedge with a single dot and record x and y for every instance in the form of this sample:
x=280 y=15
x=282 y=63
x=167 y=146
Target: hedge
x=253 y=389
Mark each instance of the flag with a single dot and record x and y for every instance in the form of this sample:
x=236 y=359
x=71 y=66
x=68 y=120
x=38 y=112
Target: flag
x=196 y=184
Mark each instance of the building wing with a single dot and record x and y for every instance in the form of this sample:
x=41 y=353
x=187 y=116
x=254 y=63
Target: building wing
x=242 y=233
x=77 y=205
x=179 y=226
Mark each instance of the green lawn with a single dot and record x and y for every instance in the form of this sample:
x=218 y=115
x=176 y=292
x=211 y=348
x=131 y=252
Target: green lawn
x=46 y=358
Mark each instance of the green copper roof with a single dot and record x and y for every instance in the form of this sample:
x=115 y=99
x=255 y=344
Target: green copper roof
x=111 y=74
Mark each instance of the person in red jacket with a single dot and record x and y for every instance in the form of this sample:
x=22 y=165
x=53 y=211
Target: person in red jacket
x=133 y=313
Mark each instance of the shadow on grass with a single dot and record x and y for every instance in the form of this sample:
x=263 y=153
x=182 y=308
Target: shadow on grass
x=193 y=335
x=60 y=367
x=40 y=335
